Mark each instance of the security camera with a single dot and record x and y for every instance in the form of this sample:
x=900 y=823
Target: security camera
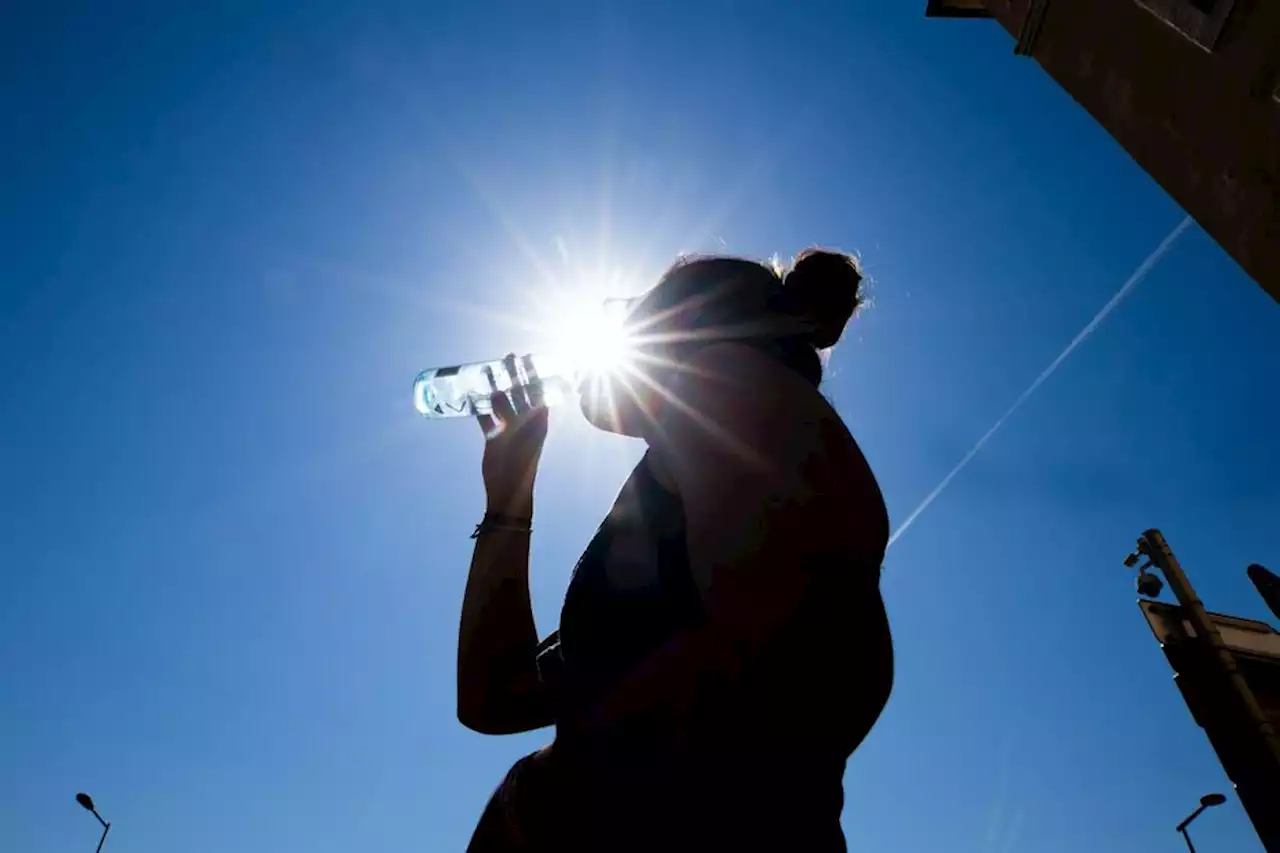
x=1131 y=560
x=1149 y=585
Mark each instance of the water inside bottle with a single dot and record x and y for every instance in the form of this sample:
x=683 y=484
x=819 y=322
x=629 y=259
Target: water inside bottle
x=464 y=390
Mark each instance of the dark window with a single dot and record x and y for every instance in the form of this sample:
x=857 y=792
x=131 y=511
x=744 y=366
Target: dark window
x=1201 y=21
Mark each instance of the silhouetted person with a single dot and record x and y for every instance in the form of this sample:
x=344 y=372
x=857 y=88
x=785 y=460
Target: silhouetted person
x=723 y=646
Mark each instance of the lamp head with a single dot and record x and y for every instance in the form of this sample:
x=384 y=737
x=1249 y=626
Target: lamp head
x=85 y=800
x=1149 y=585
x=1210 y=800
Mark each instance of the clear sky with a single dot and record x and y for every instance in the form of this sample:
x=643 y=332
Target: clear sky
x=232 y=556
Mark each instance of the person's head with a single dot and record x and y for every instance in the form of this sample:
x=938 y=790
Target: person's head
x=792 y=315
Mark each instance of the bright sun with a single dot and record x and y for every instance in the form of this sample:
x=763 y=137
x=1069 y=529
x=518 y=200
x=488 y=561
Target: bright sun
x=584 y=317
x=592 y=333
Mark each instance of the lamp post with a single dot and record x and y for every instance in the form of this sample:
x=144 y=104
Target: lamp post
x=1207 y=801
x=1214 y=687
x=87 y=801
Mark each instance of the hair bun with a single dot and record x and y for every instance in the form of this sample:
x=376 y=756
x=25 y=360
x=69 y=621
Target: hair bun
x=824 y=288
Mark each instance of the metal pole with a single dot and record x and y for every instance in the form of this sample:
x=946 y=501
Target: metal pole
x=1182 y=827
x=1162 y=555
x=1253 y=759
x=106 y=827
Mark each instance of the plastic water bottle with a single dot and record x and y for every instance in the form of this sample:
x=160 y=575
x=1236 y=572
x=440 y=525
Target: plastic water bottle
x=464 y=390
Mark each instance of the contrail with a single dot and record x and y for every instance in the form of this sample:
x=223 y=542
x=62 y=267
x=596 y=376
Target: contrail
x=1138 y=275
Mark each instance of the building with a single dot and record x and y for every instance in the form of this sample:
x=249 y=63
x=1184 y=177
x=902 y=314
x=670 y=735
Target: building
x=1190 y=88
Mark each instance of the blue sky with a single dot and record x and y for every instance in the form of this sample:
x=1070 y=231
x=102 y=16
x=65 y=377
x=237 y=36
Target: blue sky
x=233 y=555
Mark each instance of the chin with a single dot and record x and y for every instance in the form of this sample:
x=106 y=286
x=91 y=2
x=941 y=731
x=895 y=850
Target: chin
x=621 y=415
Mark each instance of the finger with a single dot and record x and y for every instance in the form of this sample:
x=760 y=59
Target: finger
x=535 y=394
x=501 y=414
x=533 y=429
x=493 y=380
x=490 y=427
x=538 y=419
x=502 y=409
x=488 y=424
x=518 y=399
x=532 y=388
x=530 y=369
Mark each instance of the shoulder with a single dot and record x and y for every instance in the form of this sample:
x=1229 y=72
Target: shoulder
x=737 y=423
x=744 y=375
x=732 y=399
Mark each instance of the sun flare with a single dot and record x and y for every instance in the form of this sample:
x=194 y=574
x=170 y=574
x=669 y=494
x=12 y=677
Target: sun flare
x=593 y=334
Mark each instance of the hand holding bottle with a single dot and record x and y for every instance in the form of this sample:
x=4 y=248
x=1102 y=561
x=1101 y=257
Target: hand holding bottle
x=514 y=433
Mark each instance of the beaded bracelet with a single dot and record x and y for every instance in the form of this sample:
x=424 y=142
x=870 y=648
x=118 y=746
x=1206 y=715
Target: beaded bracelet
x=493 y=521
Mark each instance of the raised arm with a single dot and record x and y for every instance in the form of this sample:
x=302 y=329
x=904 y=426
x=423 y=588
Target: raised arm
x=499 y=691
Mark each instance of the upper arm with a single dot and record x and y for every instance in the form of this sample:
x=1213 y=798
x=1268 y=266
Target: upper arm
x=515 y=701
x=506 y=695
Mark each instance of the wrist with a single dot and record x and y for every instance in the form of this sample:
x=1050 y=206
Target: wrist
x=505 y=525
x=512 y=504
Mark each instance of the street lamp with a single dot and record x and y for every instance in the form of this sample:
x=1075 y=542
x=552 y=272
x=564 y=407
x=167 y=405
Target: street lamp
x=1224 y=703
x=1207 y=801
x=87 y=801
